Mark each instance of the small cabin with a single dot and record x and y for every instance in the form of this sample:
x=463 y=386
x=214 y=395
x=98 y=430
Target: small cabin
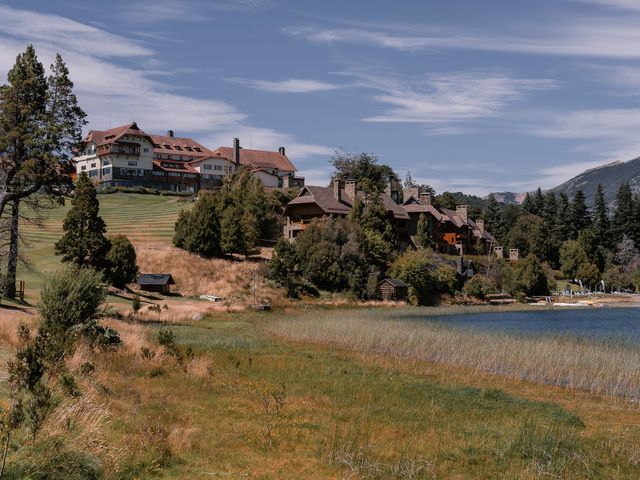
x=394 y=290
x=155 y=282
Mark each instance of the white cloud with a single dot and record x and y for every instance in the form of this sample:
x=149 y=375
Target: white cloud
x=113 y=94
x=66 y=34
x=612 y=36
x=291 y=85
x=157 y=11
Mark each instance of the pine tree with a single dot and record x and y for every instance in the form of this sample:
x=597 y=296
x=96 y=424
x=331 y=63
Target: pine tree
x=538 y=202
x=563 y=221
x=621 y=224
x=601 y=223
x=121 y=261
x=84 y=241
x=494 y=219
x=528 y=204
x=202 y=229
x=549 y=208
x=578 y=214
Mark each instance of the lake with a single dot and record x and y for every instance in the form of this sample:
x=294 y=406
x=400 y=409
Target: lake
x=621 y=324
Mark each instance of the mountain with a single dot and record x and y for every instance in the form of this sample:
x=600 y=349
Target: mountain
x=509 y=198
x=610 y=176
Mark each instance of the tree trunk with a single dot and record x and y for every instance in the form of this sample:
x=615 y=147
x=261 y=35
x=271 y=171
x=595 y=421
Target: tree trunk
x=12 y=258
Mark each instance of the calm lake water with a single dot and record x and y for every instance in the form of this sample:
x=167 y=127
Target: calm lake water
x=621 y=324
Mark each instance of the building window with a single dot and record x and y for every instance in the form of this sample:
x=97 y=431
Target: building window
x=93 y=173
x=106 y=171
x=131 y=163
x=93 y=165
x=158 y=173
x=217 y=167
x=206 y=176
x=145 y=150
x=189 y=175
x=83 y=167
x=207 y=167
x=140 y=172
x=174 y=174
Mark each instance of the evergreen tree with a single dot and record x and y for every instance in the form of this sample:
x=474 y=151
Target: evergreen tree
x=562 y=226
x=494 y=219
x=202 y=233
x=578 y=214
x=84 y=241
x=121 y=262
x=538 y=203
x=528 y=205
x=549 y=208
x=601 y=223
x=423 y=236
x=446 y=200
x=621 y=224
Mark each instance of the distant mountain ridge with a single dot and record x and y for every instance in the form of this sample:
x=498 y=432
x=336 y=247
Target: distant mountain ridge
x=611 y=176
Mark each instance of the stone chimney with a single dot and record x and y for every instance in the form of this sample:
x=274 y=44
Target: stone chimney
x=236 y=151
x=498 y=252
x=463 y=212
x=411 y=192
x=281 y=150
x=514 y=254
x=170 y=133
x=286 y=181
x=350 y=189
x=337 y=192
x=425 y=199
x=480 y=224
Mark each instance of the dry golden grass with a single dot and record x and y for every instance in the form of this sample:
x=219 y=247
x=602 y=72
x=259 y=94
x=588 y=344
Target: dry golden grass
x=599 y=368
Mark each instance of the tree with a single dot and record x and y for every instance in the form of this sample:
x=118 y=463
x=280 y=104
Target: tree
x=530 y=234
x=40 y=124
x=589 y=275
x=601 y=223
x=562 y=228
x=415 y=268
x=84 y=241
x=423 y=236
x=121 y=262
x=284 y=268
x=479 y=286
x=621 y=224
x=549 y=208
x=494 y=219
x=529 y=277
x=572 y=257
x=370 y=176
x=446 y=200
x=578 y=214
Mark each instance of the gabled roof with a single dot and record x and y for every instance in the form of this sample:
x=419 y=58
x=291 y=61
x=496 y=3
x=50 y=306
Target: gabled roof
x=453 y=217
x=413 y=205
x=104 y=137
x=155 y=279
x=323 y=198
x=396 y=282
x=188 y=168
x=179 y=146
x=477 y=232
x=259 y=158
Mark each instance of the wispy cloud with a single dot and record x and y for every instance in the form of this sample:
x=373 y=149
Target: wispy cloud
x=113 y=93
x=157 y=11
x=66 y=34
x=291 y=85
x=599 y=36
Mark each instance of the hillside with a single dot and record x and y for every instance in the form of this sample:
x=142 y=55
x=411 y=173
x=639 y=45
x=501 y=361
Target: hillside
x=610 y=176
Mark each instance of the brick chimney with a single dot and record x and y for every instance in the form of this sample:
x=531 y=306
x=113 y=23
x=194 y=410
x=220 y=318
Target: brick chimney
x=281 y=150
x=236 y=151
x=350 y=189
x=463 y=212
x=425 y=199
x=411 y=192
x=480 y=224
x=337 y=189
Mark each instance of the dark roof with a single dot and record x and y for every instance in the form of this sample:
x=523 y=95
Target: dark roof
x=103 y=137
x=259 y=158
x=396 y=282
x=413 y=205
x=155 y=279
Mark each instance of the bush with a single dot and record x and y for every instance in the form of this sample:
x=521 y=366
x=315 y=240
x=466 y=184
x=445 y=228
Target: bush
x=135 y=303
x=414 y=267
x=479 y=286
x=527 y=277
x=121 y=262
x=448 y=279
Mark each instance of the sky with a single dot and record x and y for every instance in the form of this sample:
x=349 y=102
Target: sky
x=467 y=96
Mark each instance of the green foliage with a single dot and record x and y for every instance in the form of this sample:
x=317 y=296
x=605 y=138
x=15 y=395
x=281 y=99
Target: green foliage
x=121 y=261
x=494 y=219
x=479 y=286
x=579 y=218
x=589 y=274
x=84 y=241
x=415 y=268
x=135 y=303
x=370 y=177
x=528 y=276
x=447 y=278
x=601 y=223
x=423 y=236
x=572 y=256
x=531 y=235
x=284 y=268
x=198 y=230
x=622 y=222
x=615 y=278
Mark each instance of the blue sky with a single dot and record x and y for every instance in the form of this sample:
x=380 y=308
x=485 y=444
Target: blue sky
x=466 y=95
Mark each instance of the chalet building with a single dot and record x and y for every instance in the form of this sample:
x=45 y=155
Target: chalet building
x=126 y=156
x=317 y=202
x=451 y=230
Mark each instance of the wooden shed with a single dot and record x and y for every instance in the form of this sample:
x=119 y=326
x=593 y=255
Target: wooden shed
x=155 y=282
x=393 y=289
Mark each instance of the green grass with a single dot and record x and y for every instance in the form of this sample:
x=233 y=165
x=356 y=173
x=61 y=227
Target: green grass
x=141 y=217
x=272 y=409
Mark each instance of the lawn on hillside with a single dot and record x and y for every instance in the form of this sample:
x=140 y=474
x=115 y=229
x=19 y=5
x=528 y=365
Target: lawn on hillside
x=140 y=217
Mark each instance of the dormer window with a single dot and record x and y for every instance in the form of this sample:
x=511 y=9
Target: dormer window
x=189 y=149
x=167 y=146
x=156 y=145
x=197 y=149
x=177 y=147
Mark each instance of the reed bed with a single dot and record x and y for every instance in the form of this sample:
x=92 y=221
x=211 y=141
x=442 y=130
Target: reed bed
x=603 y=368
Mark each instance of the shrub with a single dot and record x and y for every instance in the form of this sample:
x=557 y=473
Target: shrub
x=415 y=268
x=135 y=303
x=528 y=277
x=447 y=277
x=121 y=262
x=479 y=286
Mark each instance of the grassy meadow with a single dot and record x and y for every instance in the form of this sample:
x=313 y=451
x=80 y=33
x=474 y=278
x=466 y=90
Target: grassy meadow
x=232 y=401
x=143 y=218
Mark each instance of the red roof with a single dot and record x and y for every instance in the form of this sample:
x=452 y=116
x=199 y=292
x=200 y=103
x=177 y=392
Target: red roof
x=103 y=137
x=259 y=158
x=187 y=166
x=179 y=146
